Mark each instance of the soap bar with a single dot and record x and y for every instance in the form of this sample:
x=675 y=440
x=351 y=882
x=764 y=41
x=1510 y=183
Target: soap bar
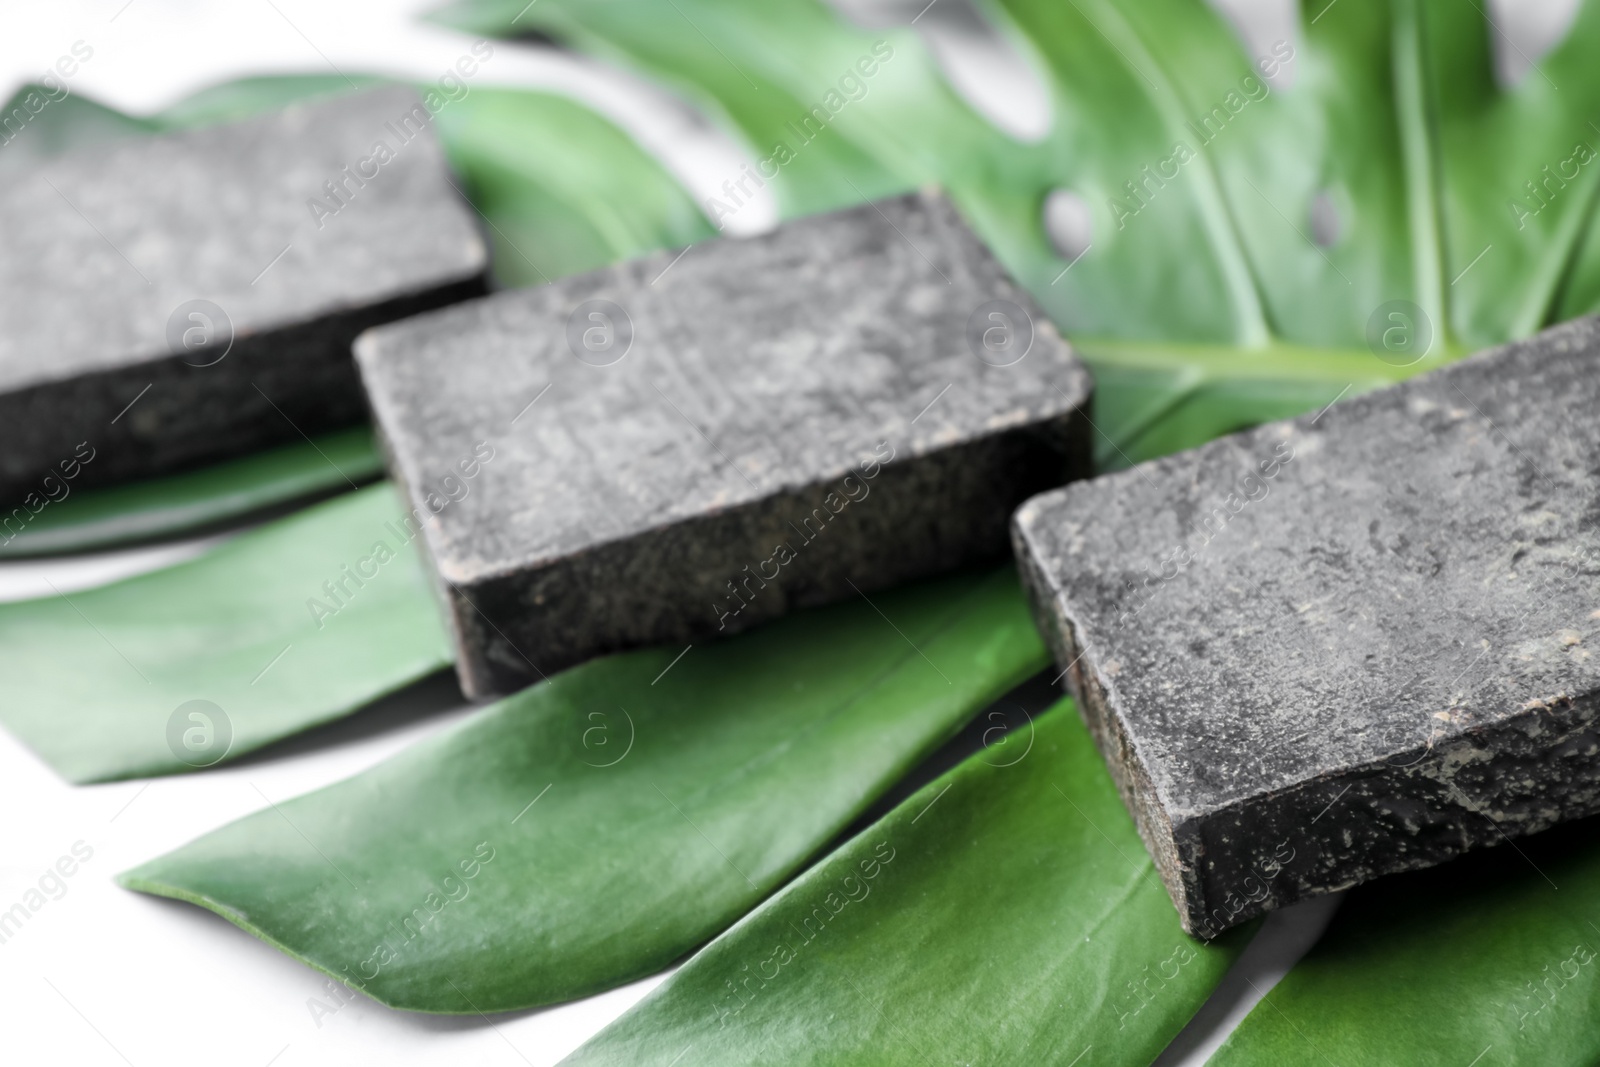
x=684 y=445
x=178 y=299
x=1360 y=642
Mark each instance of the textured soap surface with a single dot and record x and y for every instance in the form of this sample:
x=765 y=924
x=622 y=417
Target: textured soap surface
x=681 y=446
x=119 y=264
x=1356 y=643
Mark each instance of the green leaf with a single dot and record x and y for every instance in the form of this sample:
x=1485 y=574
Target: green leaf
x=633 y=806
x=97 y=680
x=561 y=189
x=757 y=67
x=1489 y=960
x=194 y=500
x=1006 y=913
x=245 y=97
x=1512 y=251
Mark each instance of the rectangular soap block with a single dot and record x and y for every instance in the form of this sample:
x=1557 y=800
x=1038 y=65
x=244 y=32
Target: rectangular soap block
x=177 y=299
x=1356 y=643
x=684 y=445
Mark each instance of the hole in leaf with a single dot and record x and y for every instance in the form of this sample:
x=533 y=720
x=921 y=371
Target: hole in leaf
x=1069 y=223
x=1523 y=32
x=1269 y=32
x=987 y=66
x=1327 y=224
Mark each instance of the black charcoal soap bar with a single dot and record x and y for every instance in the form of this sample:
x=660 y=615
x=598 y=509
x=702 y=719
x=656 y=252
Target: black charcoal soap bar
x=1356 y=643
x=687 y=444
x=174 y=300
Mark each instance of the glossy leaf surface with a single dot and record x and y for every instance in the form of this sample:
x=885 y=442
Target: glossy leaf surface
x=1006 y=913
x=633 y=806
x=560 y=189
x=1491 y=960
x=100 y=682
x=182 y=503
x=1519 y=171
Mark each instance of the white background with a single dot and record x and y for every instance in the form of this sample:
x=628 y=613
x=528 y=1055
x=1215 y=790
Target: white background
x=102 y=975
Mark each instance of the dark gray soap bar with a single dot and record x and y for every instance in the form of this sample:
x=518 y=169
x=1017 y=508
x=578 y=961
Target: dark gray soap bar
x=1356 y=643
x=687 y=444
x=172 y=300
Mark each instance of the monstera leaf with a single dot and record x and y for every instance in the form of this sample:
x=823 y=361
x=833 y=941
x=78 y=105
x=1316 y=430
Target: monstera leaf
x=1226 y=247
